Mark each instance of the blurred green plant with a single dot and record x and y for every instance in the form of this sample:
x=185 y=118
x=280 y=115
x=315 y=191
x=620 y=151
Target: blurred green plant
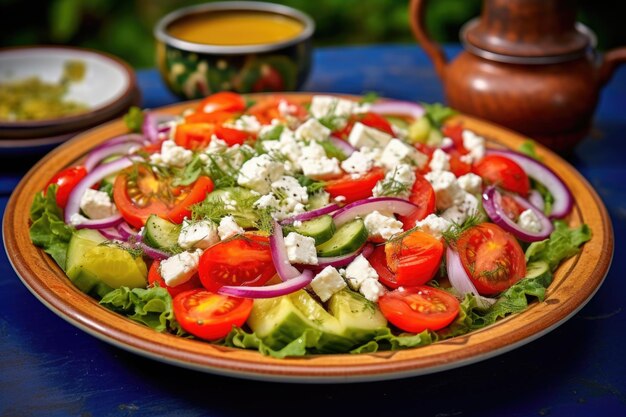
x=124 y=27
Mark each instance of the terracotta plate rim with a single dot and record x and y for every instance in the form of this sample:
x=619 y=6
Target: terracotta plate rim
x=578 y=278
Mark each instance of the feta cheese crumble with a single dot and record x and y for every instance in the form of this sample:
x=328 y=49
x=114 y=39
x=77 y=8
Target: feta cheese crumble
x=201 y=234
x=359 y=271
x=447 y=190
x=529 y=221
x=397 y=152
x=301 y=249
x=327 y=283
x=379 y=225
x=96 y=204
x=440 y=161
x=362 y=135
x=312 y=130
x=259 y=172
x=179 y=268
x=434 y=225
x=228 y=227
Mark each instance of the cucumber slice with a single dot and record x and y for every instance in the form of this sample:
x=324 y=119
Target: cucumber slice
x=83 y=241
x=279 y=321
x=318 y=200
x=161 y=234
x=347 y=239
x=245 y=218
x=538 y=269
x=320 y=228
x=360 y=317
x=398 y=122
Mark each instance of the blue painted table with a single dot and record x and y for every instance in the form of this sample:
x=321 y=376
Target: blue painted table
x=50 y=368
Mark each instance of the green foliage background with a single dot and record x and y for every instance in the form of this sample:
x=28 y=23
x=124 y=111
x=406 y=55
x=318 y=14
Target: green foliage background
x=124 y=27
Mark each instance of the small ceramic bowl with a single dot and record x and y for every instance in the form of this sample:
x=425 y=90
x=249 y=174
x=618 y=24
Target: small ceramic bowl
x=194 y=70
x=108 y=87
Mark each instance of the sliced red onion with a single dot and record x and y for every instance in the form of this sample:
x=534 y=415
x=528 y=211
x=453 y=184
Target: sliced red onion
x=563 y=200
x=340 y=261
x=278 y=249
x=364 y=207
x=73 y=202
x=126 y=232
x=398 y=108
x=102 y=152
x=311 y=214
x=461 y=281
x=153 y=253
x=492 y=202
x=151 y=122
x=342 y=145
x=129 y=137
x=270 y=291
x=536 y=199
x=111 y=233
x=105 y=223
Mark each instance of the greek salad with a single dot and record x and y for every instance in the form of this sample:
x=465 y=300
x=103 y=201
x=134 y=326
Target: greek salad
x=294 y=228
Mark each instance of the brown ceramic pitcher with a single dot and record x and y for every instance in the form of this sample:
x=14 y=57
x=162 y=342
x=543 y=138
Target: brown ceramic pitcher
x=527 y=65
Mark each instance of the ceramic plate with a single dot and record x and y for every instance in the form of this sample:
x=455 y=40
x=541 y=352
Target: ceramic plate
x=574 y=284
x=107 y=88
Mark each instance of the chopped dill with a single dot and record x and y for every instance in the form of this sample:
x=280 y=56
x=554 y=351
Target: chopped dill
x=311 y=185
x=272 y=134
x=221 y=170
x=332 y=151
x=452 y=235
x=391 y=187
x=134 y=251
x=190 y=173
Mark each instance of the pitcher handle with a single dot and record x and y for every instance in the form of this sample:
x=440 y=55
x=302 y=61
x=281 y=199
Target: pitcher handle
x=610 y=61
x=417 y=14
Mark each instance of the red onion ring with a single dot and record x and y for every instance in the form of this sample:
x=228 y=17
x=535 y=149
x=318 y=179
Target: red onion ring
x=101 y=153
x=342 y=145
x=461 y=281
x=126 y=232
x=270 y=291
x=535 y=198
x=398 y=108
x=363 y=207
x=492 y=202
x=111 y=233
x=310 y=214
x=280 y=258
x=73 y=201
x=563 y=200
x=151 y=122
x=152 y=253
x=340 y=261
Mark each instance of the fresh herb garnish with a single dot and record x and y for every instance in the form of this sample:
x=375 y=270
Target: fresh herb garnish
x=437 y=113
x=312 y=186
x=332 y=151
x=453 y=233
x=134 y=119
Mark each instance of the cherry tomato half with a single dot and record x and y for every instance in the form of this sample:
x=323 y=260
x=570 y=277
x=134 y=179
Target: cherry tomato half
x=420 y=308
x=232 y=136
x=354 y=189
x=492 y=258
x=66 y=180
x=368 y=119
x=194 y=135
x=138 y=192
x=243 y=260
x=503 y=172
x=268 y=109
x=423 y=196
x=208 y=315
x=378 y=260
x=415 y=258
x=224 y=101
x=154 y=276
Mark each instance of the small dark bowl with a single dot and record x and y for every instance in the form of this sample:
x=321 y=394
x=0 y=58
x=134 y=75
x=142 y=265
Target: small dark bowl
x=194 y=70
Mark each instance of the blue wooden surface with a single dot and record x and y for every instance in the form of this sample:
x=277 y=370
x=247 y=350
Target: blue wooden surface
x=50 y=368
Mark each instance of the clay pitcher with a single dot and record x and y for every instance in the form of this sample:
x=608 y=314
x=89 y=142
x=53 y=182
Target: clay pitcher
x=527 y=65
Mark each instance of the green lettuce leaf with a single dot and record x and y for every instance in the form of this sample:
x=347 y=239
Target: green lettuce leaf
x=298 y=347
x=48 y=230
x=150 y=306
x=386 y=340
x=563 y=243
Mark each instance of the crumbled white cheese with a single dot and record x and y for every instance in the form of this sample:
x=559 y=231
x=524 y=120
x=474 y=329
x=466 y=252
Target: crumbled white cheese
x=397 y=152
x=201 y=234
x=174 y=155
x=321 y=169
x=179 y=268
x=358 y=164
x=529 y=221
x=362 y=135
x=434 y=225
x=301 y=249
x=327 y=283
x=328 y=106
x=259 y=172
x=372 y=289
x=289 y=187
x=245 y=123
x=97 y=204
x=379 y=225
x=312 y=130
x=397 y=183
x=440 y=161
x=471 y=183
x=447 y=190
x=228 y=227
x=459 y=212
x=358 y=271
x=475 y=145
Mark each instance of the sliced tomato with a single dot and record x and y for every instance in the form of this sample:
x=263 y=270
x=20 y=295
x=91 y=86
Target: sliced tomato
x=455 y=132
x=419 y=308
x=457 y=166
x=208 y=315
x=194 y=135
x=138 y=192
x=503 y=172
x=232 y=136
x=216 y=117
x=368 y=119
x=243 y=260
x=198 y=192
x=224 y=101
x=511 y=208
x=415 y=259
x=354 y=189
x=378 y=260
x=423 y=196
x=492 y=258
x=66 y=180
x=267 y=109
x=154 y=277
